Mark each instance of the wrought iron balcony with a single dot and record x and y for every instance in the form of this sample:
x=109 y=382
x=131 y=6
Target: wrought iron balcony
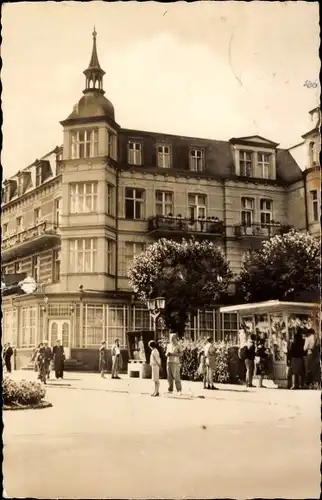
x=31 y=239
x=259 y=230
x=165 y=226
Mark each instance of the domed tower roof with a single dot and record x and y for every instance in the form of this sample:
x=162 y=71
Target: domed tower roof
x=93 y=104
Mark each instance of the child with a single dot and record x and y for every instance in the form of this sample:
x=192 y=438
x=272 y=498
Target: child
x=155 y=362
x=202 y=370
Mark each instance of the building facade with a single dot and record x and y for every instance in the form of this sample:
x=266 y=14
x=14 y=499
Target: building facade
x=78 y=216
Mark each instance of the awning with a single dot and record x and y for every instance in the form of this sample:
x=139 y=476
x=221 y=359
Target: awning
x=269 y=305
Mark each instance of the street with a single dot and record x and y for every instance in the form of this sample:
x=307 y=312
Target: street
x=109 y=439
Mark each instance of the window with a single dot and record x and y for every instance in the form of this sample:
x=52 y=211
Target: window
x=38 y=175
x=9 y=326
x=94 y=325
x=20 y=185
x=112 y=145
x=82 y=255
x=163 y=202
x=315 y=205
x=196 y=160
x=110 y=257
x=131 y=250
x=264 y=164
x=5 y=230
x=56 y=265
x=84 y=144
x=35 y=268
x=28 y=317
x=247 y=214
x=83 y=197
x=266 y=211
x=312 y=153
x=110 y=199
x=141 y=319
x=229 y=327
x=134 y=199
x=197 y=205
x=164 y=156
x=206 y=324
x=36 y=216
x=57 y=212
x=135 y=153
x=18 y=267
x=245 y=164
x=19 y=224
x=116 y=324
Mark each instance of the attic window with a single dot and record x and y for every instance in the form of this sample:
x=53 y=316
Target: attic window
x=196 y=160
x=264 y=164
x=246 y=163
x=39 y=176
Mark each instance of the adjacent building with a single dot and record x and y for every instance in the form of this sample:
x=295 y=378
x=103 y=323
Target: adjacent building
x=79 y=214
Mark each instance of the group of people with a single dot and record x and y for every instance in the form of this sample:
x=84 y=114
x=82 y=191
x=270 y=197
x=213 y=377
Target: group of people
x=117 y=361
x=302 y=356
x=207 y=364
x=44 y=355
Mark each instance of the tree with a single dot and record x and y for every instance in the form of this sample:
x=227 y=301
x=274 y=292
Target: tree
x=282 y=269
x=190 y=275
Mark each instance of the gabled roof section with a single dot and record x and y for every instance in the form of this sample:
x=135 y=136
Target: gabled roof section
x=255 y=140
x=286 y=167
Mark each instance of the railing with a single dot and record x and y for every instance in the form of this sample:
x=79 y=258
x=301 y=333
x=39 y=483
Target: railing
x=259 y=230
x=44 y=228
x=202 y=225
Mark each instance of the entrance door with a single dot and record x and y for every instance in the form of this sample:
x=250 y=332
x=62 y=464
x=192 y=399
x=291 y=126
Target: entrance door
x=60 y=329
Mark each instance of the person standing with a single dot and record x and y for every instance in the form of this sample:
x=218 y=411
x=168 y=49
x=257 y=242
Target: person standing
x=116 y=355
x=59 y=358
x=155 y=362
x=173 y=354
x=249 y=354
x=48 y=357
x=261 y=357
x=309 y=348
x=7 y=355
x=102 y=359
x=141 y=347
x=210 y=353
x=296 y=356
x=202 y=370
x=41 y=363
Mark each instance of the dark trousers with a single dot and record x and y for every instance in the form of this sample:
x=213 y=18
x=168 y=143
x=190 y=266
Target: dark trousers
x=59 y=369
x=250 y=365
x=8 y=364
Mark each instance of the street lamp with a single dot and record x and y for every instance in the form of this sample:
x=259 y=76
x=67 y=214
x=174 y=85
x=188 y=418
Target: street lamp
x=44 y=307
x=155 y=306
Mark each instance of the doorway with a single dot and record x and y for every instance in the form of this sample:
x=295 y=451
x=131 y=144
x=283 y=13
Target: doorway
x=60 y=329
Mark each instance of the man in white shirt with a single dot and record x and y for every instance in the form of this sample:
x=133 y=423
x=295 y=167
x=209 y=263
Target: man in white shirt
x=309 y=346
x=116 y=354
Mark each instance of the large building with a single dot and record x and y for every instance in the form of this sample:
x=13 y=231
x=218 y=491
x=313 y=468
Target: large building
x=79 y=214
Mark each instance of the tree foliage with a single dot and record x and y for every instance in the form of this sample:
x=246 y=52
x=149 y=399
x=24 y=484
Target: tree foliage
x=283 y=268
x=185 y=274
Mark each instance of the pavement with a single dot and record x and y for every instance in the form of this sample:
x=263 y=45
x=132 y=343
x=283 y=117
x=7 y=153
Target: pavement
x=108 y=438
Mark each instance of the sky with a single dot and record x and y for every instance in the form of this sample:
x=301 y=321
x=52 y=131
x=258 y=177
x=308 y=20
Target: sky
x=204 y=69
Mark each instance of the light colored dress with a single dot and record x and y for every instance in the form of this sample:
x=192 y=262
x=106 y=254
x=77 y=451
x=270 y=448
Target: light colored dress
x=155 y=362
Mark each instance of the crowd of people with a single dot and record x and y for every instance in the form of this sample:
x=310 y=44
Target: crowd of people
x=45 y=358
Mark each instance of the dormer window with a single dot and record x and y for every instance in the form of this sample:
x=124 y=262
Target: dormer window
x=38 y=175
x=134 y=153
x=246 y=163
x=196 y=160
x=164 y=156
x=84 y=144
x=264 y=165
x=20 y=185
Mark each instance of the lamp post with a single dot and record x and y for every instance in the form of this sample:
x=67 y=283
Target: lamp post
x=155 y=307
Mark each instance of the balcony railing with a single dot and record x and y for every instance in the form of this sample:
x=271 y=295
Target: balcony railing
x=259 y=230
x=28 y=239
x=166 y=225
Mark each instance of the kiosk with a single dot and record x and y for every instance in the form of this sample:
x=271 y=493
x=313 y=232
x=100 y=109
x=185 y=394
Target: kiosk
x=278 y=320
x=139 y=353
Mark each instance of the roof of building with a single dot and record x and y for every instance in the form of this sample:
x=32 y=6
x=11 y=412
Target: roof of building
x=92 y=105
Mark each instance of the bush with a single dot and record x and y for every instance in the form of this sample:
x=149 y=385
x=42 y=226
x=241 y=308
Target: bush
x=24 y=392
x=190 y=361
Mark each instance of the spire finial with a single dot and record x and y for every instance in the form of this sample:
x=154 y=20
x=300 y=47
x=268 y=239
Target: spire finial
x=94 y=32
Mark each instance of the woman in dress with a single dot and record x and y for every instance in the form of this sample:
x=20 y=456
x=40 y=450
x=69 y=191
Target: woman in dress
x=296 y=357
x=155 y=362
